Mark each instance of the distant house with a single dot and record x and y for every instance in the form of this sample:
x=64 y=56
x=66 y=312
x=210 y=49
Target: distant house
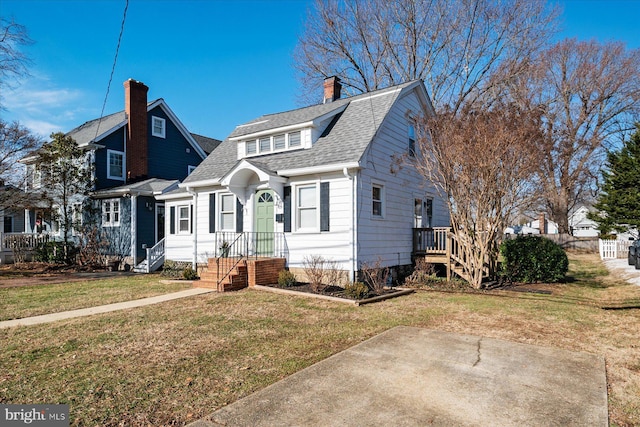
x=539 y=226
x=137 y=155
x=580 y=225
x=317 y=181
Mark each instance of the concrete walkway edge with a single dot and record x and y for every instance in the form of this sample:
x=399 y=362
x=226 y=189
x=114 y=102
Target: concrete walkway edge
x=53 y=317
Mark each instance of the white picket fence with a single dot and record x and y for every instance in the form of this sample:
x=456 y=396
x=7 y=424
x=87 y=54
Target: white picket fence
x=612 y=249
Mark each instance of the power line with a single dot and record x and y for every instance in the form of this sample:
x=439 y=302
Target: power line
x=115 y=60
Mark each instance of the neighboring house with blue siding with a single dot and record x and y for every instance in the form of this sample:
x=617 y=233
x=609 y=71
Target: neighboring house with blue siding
x=137 y=154
x=317 y=181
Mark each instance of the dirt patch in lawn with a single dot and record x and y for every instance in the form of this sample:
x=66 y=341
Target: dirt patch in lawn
x=36 y=273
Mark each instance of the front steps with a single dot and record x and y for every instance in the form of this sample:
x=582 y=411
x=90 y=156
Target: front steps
x=217 y=269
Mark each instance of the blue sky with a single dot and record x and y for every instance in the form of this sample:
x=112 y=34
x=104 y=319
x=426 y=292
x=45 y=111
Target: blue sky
x=216 y=63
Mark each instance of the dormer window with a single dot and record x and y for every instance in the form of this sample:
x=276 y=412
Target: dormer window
x=279 y=142
x=265 y=145
x=157 y=127
x=294 y=139
x=251 y=147
x=268 y=144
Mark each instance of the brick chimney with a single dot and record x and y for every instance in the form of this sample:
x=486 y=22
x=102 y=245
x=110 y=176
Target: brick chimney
x=542 y=223
x=332 y=88
x=135 y=108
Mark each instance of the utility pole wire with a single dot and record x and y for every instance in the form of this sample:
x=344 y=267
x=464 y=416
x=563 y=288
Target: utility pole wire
x=115 y=60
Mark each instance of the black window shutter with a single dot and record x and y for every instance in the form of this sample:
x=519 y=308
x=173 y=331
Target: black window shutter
x=324 y=206
x=287 y=209
x=172 y=220
x=212 y=213
x=239 y=217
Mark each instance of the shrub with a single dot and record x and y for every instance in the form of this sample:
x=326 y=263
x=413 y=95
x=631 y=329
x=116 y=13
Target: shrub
x=375 y=276
x=189 y=273
x=286 y=279
x=356 y=290
x=533 y=259
x=175 y=269
x=53 y=252
x=314 y=266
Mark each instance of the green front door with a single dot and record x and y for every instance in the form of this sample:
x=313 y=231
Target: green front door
x=264 y=222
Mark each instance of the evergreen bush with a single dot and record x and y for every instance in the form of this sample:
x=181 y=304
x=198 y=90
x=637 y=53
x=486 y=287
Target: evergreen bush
x=356 y=290
x=531 y=259
x=286 y=279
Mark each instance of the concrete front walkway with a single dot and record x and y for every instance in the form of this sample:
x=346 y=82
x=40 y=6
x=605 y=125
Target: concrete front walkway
x=416 y=377
x=53 y=317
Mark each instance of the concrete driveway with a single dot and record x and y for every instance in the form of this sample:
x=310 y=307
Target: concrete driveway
x=416 y=377
x=626 y=271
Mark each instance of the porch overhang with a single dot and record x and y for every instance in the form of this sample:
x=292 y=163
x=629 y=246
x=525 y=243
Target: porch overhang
x=245 y=174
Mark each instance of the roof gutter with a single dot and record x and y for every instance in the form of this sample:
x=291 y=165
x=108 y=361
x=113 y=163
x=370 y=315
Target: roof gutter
x=319 y=169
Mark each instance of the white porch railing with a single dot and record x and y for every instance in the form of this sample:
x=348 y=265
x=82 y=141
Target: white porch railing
x=155 y=256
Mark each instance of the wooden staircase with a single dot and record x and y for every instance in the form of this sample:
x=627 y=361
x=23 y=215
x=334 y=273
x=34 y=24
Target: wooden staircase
x=225 y=274
x=440 y=246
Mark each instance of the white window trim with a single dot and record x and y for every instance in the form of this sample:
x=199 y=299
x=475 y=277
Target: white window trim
x=179 y=219
x=153 y=127
x=382 y=200
x=220 y=212
x=296 y=209
x=111 y=222
x=109 y=175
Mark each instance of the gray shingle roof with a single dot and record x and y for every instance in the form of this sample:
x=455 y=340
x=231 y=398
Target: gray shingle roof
x=148 y=187
x=207 y=144
x=87 y=132
x=344 y=142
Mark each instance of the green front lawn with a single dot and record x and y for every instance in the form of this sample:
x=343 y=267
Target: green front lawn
x=172 y=363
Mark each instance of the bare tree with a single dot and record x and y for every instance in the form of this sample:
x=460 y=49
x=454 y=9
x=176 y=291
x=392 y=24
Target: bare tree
x=13 y=62
x=452 y=45
x=16 y=141
x=589 y=97
x=482 y=162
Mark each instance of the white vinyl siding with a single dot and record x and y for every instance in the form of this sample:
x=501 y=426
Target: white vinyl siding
x=158 y=127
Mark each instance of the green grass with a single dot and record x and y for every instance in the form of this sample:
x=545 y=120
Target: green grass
x=33 y=300
x=175 y=362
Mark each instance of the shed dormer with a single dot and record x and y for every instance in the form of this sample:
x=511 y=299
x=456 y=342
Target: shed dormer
x=289 y=131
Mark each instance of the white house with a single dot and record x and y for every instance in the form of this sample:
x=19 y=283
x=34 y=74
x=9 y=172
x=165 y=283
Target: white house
x=322 y=180
x=581 y=226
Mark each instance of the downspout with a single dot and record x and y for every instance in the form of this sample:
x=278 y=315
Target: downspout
x=134 y=226
x=194 y=227
x=354 y=223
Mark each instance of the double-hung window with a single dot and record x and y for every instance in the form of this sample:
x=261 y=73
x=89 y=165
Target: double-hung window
x=227 y=212
x=115 y=165
x=184 y=219
x=377 y=201
x=158 y=127
x=307 y=202
x=111 y=213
